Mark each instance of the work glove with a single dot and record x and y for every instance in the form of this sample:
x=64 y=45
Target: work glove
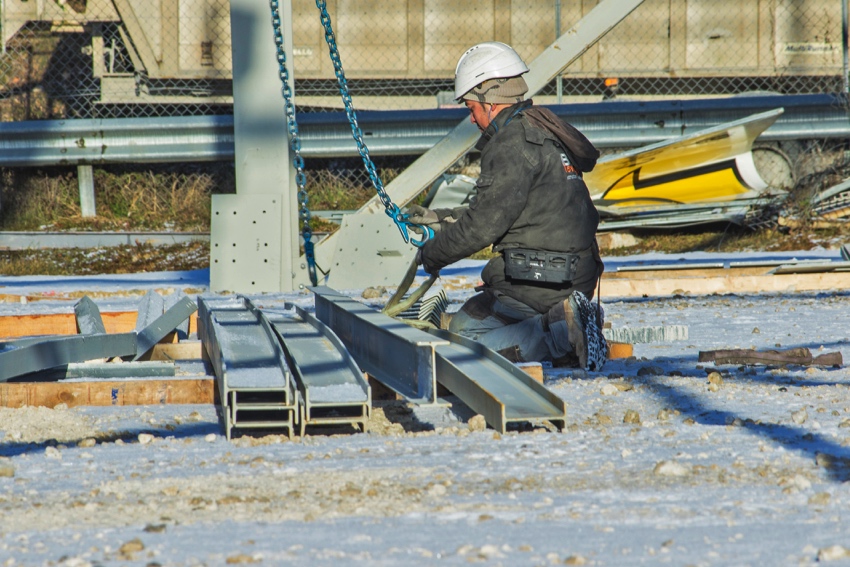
x=420 y=215
x=435 y=220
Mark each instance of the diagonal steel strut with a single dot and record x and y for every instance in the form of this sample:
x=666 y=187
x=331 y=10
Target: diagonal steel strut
x=336 y=252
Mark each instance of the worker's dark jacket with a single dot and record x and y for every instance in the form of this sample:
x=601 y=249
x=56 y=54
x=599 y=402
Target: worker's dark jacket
x=529 y=195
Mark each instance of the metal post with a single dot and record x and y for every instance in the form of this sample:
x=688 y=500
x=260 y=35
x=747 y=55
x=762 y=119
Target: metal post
x=85 y=181
x=844 y=46
x=254 y=245
x=559 y=83
x=2 y=27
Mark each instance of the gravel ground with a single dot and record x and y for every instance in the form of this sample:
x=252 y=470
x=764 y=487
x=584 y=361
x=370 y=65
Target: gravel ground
x=657 y=465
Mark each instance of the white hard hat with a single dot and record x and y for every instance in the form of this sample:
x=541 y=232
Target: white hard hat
x=488 y=60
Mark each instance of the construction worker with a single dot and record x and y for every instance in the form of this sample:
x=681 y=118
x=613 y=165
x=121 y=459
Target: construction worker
x=531 y=204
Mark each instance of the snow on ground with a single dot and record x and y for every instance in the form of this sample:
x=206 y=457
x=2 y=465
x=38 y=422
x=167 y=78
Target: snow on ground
x=653 y=468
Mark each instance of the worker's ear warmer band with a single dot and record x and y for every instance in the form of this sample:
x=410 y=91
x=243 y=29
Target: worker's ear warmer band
x=499 y=91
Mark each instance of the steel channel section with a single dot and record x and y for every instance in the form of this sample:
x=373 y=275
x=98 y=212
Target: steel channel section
x=482 y=379
x=164 y=324
x=492 y=386
x=397 y=355
x=332 y=388
x=252 y=374
x=151 y=306
x=89 y=321
x=52 y=352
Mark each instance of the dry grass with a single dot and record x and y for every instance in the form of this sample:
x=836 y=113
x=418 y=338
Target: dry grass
x=177 y=198
x=126 y=198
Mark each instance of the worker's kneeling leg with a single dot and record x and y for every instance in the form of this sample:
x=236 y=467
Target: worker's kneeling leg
x=504 y=325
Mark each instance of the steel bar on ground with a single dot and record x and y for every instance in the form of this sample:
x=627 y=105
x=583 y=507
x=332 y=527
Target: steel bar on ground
x=333 y=389
x=395 y=354
x=52 y=352
x=492 y=386
x=253 y=377
x=109 y=370
x=164 y=324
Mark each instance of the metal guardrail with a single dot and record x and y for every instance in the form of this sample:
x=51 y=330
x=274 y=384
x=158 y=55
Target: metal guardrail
x=210 y=138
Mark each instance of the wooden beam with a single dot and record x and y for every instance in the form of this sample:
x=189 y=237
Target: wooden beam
x=720 y=284
x=620 y=350
x=107 y=393
x=13 y=326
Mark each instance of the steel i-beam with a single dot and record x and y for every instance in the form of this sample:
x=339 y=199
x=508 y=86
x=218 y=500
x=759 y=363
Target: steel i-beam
x=332 y=388
x=395 y=354
x=253 y=377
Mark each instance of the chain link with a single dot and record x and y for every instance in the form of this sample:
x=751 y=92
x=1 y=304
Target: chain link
x=294 y=144
x=392 y=210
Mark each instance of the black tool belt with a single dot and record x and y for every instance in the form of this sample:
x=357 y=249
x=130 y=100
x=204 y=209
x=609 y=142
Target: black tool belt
x=540 y=266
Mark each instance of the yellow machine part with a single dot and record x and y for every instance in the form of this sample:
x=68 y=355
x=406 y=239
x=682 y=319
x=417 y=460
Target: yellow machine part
x=711 y=165
x=716 y=182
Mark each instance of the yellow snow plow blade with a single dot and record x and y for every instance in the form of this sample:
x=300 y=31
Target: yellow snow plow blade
x=710 y=165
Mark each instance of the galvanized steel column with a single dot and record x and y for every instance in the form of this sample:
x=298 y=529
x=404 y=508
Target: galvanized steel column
x=254 y=241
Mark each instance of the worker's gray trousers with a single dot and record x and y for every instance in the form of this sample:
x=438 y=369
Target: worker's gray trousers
x=511 y=328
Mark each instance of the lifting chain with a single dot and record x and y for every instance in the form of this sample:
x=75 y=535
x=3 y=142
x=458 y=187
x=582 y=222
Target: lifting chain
x=295 y=145
x=400 y=219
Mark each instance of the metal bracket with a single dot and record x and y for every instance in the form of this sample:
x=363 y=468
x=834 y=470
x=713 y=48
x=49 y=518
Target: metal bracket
x=245 y=243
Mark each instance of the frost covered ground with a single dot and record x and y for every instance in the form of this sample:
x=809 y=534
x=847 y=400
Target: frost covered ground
x=653 y=468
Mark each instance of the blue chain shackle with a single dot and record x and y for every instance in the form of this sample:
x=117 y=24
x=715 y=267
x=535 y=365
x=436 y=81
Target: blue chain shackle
x=401 y=220
x=295 y=145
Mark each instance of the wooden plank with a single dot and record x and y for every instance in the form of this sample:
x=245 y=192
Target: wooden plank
x=12 y=326
x=107 y=393
x=720 y=285
x=51 y=394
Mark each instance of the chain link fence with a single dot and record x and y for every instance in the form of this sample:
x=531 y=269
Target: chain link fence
x=116 y=58
x=119 y=58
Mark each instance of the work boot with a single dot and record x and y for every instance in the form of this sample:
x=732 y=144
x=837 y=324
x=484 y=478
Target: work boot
x=585 y=336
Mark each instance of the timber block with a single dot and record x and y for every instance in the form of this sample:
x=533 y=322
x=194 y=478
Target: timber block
x=107 y=393
x=533 y=369
x=620 y=350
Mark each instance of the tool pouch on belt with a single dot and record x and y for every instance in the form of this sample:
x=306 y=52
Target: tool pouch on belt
x=540 y=266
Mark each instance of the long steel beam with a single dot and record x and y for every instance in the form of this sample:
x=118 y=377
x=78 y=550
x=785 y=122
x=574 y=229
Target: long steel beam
x=60 y=351
x=493 y=387
x=253 y=377
x=403 y=358
x=395 y=354
x=164 y=324
x=333 y=389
